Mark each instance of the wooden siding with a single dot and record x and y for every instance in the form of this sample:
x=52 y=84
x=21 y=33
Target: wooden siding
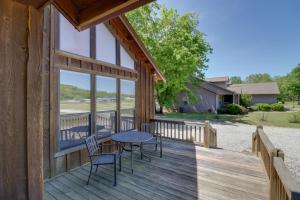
x=56 y=162
x=185 y=171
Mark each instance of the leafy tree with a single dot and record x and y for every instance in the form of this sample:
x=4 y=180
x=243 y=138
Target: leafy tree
x=236 y=80
x=294 y=82
x=285 y=93
x=245 y=100
x=179 y=49
x=259 y=78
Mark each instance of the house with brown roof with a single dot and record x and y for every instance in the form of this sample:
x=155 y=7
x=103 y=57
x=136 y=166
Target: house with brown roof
x=260 y=92
x=213 y=93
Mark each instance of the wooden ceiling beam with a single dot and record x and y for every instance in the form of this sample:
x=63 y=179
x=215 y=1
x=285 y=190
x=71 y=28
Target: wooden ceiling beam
x=101 y=11
x=84 y=14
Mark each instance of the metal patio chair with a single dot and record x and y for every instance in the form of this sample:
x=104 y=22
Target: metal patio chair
x=97 y=157
x=156 y=140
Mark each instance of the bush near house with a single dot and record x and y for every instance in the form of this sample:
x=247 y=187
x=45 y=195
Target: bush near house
x=270 y=107
x=277 y=107
x=245 y=100
x=263 y=107
x=232 y=109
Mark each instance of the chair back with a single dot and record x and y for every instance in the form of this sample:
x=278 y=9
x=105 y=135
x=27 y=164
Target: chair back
x=91 y=145
x=148 y=128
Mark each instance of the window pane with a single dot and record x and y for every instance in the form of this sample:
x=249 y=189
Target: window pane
x=127 y=105
x=74 y=108
x=105 y=45
x=106 y=106
x=126 y=60
x=71 y=40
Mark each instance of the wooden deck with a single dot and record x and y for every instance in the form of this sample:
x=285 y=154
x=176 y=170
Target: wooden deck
x=185 y=172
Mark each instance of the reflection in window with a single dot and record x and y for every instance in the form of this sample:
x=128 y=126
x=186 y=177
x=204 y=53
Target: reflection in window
x=106 y=106
x=105 y=45
x=126 y=60
x=75 y=108
x=71 y=40
x=127 y=105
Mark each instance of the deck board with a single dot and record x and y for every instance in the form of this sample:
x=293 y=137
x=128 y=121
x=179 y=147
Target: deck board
x=186 y=172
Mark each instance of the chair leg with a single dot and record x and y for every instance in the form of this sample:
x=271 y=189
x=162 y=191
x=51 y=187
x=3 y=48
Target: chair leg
x=96 y=169
x=115 y=173
x=160 y=148
x=141 y=149
x=90 y=174
x=120 y=163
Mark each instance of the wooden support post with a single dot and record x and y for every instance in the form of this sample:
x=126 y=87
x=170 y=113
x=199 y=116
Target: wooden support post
x=206 y=135
x=21 y=138
x=254 y=142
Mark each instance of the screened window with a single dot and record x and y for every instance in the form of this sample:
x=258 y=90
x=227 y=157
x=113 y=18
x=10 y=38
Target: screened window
x=127 y=98
x=106 y=106
x=105 y=45
x=126 y=60
x=75 y=108
x=71 y=40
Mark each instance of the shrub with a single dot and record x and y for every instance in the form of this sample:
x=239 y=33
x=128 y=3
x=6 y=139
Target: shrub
x=277 y=107
x=294 y=118
x=263 y=107
x=245 y=100
x=233 y=109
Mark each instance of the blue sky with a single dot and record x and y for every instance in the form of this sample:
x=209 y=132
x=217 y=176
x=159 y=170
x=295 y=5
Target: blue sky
x=247 y=36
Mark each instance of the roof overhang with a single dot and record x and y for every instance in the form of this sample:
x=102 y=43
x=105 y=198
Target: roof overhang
x=86 y=13
x=157 y=74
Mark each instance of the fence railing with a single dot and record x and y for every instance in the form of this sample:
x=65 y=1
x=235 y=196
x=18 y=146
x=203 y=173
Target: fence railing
x=77 y=126
x=283 y=185
x=201 y=133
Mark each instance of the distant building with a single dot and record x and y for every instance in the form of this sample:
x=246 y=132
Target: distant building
x=216 y=92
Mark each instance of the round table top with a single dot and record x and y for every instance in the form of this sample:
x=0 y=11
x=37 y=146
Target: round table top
x=132 y=137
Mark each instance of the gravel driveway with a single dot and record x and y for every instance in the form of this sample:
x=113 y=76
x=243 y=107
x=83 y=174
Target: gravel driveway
x=238 y=137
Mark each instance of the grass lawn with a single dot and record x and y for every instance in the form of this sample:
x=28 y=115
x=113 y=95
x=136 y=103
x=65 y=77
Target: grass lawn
x=279 y=119
x=292 y=105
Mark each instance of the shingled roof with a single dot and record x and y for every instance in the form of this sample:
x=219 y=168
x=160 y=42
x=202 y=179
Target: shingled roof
x=255 y=88
x=218 y=79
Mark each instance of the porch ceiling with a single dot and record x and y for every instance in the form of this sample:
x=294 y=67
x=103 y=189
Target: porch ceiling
x=85 y=13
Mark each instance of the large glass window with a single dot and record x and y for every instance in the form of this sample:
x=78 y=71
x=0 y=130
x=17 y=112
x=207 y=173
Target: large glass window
x=71 y=40
x=75 y=108
x=106 y=106
x=105 y=45
x=127 y=98
x=126 y=60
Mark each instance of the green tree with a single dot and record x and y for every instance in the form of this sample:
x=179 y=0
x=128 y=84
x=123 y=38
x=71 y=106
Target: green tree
x=285 y=93
x=236 y=80
x=176 y=44
x=294 y=82
x=245 y=100
x=259 y=78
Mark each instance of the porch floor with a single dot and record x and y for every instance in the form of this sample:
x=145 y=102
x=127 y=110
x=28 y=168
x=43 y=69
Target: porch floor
x=186 y=172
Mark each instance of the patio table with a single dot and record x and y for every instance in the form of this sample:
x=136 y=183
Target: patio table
x=132 y=138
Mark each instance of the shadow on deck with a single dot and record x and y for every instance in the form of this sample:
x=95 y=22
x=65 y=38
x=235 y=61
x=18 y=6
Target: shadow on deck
x=186 y=172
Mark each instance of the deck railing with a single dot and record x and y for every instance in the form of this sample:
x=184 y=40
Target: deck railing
x=283 y=185
x=200 y=133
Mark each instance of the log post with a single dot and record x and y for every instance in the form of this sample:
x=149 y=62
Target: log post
x=206 y=134
x=21 y=124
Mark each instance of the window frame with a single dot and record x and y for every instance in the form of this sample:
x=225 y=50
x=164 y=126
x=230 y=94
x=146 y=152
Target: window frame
x=107 y=70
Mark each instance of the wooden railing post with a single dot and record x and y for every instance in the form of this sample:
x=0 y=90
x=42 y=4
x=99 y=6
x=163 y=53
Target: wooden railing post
x=254 y=143
x=206 y=134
